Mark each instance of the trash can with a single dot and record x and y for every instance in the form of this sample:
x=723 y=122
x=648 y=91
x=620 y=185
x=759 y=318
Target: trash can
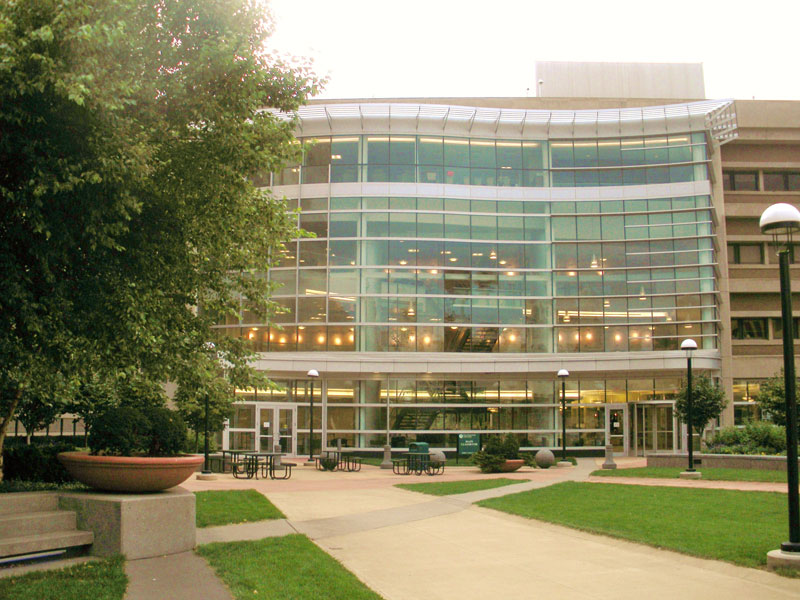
x=418 y=457
x=420 y=447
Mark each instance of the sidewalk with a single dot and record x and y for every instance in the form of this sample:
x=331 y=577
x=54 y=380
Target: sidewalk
x=408 y=545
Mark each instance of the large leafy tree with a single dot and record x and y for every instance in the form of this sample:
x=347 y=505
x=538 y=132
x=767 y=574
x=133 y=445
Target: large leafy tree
x=708 y=402
x=128 y=134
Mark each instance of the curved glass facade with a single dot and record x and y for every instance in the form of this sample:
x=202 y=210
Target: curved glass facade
x=460 y=274
x=426 y=246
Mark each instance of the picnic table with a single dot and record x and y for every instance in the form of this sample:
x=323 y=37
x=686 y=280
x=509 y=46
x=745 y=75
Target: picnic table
x=338 y=460
x=417 y=463
x=248 y=464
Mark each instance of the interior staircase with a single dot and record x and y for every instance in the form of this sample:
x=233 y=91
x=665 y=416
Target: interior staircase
x=33 y=527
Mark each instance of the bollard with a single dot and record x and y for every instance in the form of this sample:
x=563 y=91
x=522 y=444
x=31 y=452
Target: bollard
x=609 y=464
x=339 y=445
x=276 y=460
x=387 y=457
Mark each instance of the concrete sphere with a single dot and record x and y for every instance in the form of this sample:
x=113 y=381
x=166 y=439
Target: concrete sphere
x=437 y=456
x=544 y=459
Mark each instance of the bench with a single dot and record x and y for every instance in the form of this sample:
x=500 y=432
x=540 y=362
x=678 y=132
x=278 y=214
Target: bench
x=272 y=468
x=400 y=466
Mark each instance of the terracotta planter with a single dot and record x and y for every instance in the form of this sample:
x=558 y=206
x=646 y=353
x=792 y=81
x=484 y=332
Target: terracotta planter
x=511 y=464
x=135 y=474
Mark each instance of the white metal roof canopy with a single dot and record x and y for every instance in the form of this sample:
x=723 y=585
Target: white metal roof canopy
x=718 y=117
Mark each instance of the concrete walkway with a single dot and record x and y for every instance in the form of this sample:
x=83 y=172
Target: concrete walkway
x=407 y=545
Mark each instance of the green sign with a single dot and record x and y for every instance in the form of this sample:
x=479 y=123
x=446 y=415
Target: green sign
x=468 y=443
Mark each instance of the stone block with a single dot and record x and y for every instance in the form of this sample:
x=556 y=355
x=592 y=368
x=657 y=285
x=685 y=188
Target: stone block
x=136 y=525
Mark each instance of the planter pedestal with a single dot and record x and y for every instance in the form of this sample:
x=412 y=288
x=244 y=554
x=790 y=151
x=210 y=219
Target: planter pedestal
x=136 y=525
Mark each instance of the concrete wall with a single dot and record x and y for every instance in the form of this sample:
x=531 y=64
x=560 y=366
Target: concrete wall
x=620 y=80
x=720 y=461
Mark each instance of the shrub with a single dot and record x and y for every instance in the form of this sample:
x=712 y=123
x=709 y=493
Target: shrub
x=37 y=462
x=758 y=437
x=495 y=452
x=510 y=446
x=127 y=431
x=488 y=463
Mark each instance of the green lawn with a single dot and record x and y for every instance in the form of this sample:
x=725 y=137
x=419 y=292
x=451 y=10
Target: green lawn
x=98 y=580
x=283 y=568
x=738 y=527
x=233 y=506
x=709 y=474
x=447 y=488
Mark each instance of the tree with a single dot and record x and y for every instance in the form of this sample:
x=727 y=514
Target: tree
x=129 y=135
x=708 y=401
x=771 y=399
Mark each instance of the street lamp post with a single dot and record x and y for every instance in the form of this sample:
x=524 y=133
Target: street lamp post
x=206 y=466
x=782 y=221
x=689 y=346
x=313 y=374
x=562 y=375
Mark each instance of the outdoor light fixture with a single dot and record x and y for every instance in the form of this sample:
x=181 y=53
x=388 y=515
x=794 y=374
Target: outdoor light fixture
x=313 y=374
x=781 y=221
x=562 y=375
x=689 y=346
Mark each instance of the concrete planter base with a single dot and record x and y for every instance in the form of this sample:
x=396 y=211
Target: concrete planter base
x=136 y=525
x=780 y=559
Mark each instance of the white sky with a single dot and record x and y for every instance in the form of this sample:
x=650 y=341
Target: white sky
x=381 y=48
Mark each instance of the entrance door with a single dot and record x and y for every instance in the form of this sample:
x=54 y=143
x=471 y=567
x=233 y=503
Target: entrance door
x=278 y=425
x=617 y=428
x=655 y=428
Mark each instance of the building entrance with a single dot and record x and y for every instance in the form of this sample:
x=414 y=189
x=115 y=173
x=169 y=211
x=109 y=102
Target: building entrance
x=277 y=424
x=617 y=428
x=654 y=427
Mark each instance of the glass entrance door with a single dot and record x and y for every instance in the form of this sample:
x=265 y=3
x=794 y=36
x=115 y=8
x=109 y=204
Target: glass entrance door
x=655 y=428
x=277 y=425
x=617 y=428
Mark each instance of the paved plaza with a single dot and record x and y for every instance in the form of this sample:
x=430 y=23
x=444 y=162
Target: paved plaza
x=406 y=545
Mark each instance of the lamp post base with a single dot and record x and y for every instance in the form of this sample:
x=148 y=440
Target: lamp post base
x=564 y=463
x=784 y=560
x=690 y=475
x=206 y=476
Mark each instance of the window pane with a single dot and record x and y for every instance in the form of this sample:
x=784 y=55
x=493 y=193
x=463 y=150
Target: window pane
x=456 y=152
x=482 y=153
x=751 y=254
x=430 y=151
x=403 y=150
x=344 y=151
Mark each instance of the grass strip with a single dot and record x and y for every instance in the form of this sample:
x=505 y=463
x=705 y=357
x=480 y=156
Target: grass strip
x=283 y=568
x=734 y=526
x=716 y=474
x=225 y=507
x=448 y=488
x=98 y=580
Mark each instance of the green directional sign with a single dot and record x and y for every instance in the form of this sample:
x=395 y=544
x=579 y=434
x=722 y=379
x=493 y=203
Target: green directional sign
x=468 y=443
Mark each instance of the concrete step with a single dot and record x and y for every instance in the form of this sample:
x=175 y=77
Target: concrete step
x=19 y=524
x=28 y=544
x=27 y=502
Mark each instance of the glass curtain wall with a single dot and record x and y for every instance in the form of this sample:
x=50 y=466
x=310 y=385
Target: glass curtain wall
x=365 y=413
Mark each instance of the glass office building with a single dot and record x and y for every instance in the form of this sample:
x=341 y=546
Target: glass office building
x=463 y=255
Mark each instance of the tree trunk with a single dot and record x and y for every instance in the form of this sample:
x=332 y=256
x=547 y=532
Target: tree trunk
x=4 y=425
